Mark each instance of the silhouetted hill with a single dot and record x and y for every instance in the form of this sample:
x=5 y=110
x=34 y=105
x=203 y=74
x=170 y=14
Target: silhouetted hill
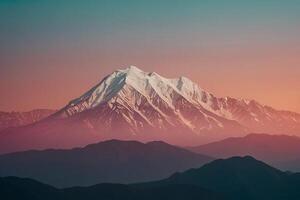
x=235 y=178
x=111 y=161
x=240 y=178
x=115 y=191
x=13 y=188
x=281 y=151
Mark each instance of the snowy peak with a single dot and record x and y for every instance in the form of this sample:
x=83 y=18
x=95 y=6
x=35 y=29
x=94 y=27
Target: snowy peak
x=143 y=82
x=139 y=99
x=131 y=69
x=131 y=104
x=136 y=100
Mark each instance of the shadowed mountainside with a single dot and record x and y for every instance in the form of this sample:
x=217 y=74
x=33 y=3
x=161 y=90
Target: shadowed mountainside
x=111 y=161
x=240 y=178
x=14 y=188
x=234 y=178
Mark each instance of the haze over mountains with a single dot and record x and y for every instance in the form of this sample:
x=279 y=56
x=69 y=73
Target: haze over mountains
x=110 y=161
x=15 y=119
x=234 y=178
x=281 y=151
x=137 y=105
x=148 y=132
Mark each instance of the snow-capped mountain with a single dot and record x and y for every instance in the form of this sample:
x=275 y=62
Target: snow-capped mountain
x=138 y=105
x=135 y=99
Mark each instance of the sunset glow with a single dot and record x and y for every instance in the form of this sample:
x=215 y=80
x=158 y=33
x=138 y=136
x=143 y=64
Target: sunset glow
x=150 y=99
x=237 y=49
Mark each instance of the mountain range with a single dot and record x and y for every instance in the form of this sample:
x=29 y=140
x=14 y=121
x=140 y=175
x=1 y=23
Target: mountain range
x=281 y=151
x=234 y=178
x=111 y=161
x=135 y=105
x=15 y=119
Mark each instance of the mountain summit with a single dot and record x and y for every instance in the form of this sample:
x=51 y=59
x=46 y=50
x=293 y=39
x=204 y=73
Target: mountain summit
x=138 y=100
x=135 y=101
x=137 y=105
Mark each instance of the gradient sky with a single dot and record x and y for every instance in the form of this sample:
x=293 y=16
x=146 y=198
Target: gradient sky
x=53 y=51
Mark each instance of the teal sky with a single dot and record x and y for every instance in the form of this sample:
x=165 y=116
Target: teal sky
x=231 y=48
x=53 y=21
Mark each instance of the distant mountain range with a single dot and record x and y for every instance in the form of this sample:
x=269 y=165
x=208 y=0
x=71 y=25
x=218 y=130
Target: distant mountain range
x=281 y=151
x=137 y=105
x=110 y=161
x=15 y=119
x=234 y=178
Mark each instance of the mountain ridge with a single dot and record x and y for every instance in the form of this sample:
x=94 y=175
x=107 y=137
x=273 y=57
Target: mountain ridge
x=111 y=161
x=238 y=178
x=162 y=95
x=281 y=151
x=233 y=178
x=15 y=119
x=145 y=106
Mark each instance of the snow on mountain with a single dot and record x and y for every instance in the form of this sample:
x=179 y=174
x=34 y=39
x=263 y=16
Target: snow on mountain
x=138 y=105
x=141 y=99
x=137 y=100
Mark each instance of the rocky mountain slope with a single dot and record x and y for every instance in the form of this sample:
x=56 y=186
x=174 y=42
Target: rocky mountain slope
x=137 y=105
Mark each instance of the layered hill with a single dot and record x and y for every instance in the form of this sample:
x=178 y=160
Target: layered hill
x=281 y=151
x=15 y=188
x=105 y=162
x=234 y=178
x=239 y=178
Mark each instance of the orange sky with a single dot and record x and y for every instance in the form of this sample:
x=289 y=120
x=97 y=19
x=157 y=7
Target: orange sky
x=270 y=77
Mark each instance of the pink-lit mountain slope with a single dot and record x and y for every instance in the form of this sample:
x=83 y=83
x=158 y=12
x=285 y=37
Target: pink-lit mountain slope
x=14 y=119
x=133 y=104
